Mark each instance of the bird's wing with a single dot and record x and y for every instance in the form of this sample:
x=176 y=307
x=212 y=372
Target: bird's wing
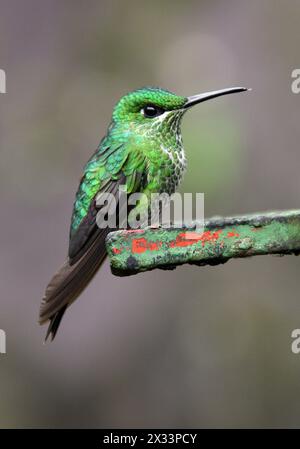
x=107 y=171
x=104 y=173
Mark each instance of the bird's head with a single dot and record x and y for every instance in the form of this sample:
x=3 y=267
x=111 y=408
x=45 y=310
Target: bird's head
x=151 y=110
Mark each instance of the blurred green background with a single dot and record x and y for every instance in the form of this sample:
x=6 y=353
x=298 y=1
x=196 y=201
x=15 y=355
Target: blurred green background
x=196 y=347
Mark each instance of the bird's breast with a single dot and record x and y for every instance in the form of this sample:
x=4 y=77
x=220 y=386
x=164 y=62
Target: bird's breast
x=169 y=170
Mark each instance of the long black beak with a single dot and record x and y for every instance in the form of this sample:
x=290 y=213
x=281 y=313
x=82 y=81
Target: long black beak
x=195 y=99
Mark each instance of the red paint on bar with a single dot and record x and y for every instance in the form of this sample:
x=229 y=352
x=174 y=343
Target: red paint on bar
x=233 y=234
x=190 y=238
x=209 y=236
x=192 y=235
x=141 y=245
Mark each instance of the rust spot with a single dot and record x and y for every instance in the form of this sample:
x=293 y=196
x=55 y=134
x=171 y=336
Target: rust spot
x=141 y=245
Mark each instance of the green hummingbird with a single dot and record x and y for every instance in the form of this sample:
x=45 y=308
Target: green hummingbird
x=142 y=150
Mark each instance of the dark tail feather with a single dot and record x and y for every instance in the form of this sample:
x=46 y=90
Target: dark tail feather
x=54 y=324
x=67 y=284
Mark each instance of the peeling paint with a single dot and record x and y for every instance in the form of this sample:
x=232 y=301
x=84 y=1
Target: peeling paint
x=233 y=234
x=190 y=238
x=141 y=245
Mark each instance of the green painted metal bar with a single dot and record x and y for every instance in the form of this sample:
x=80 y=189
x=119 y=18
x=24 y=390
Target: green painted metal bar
x=131 y=252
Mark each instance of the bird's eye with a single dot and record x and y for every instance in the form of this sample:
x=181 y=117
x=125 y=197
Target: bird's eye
x=151 y=111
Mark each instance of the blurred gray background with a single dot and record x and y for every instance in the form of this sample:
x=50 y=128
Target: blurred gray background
x=196 y=347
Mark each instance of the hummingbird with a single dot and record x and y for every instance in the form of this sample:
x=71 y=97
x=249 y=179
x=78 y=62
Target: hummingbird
x=142 y=150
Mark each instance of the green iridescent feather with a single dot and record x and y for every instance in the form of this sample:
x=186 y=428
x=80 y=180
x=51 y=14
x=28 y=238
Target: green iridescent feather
x=134 y=145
